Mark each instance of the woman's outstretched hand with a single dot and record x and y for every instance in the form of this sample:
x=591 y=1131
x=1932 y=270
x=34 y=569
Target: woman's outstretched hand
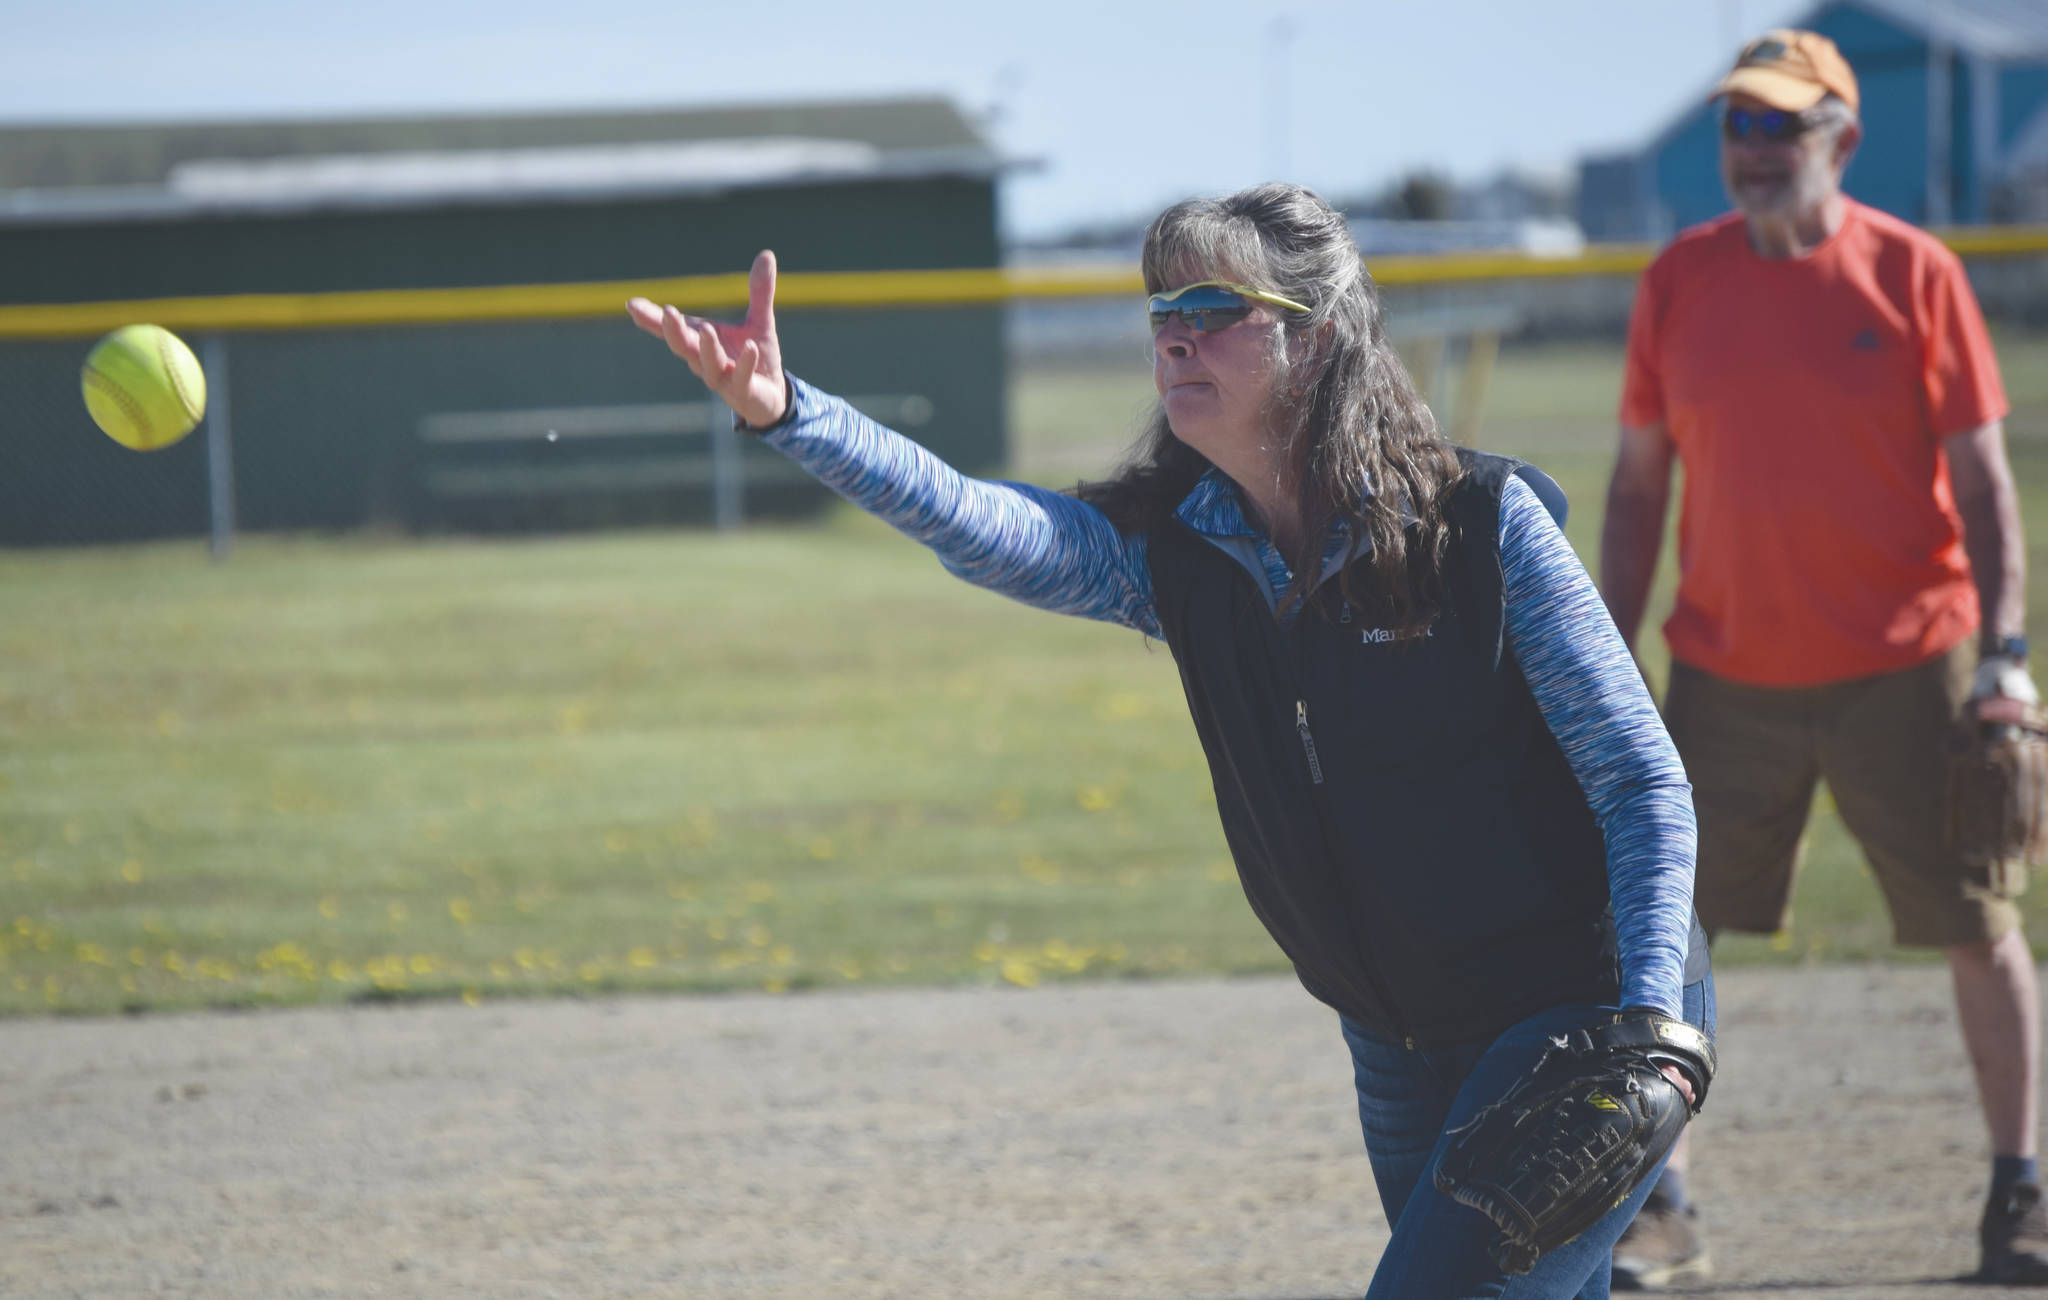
x=741 y=363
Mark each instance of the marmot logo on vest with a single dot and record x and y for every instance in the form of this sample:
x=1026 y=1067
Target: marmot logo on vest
x=1387 y=635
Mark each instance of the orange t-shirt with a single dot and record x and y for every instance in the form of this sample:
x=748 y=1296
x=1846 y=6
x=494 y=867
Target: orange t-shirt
x=1807 y=399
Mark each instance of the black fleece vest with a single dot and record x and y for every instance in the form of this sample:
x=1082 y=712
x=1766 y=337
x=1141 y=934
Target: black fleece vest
x=1403 y=821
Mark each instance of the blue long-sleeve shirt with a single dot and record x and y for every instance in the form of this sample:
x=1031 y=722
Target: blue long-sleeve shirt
x=1057 y=553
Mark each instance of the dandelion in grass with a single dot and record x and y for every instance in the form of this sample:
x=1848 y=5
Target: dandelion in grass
x=642 y=959
x=1020 y=972
x=461 y=911
x=330 y=908
x=131 y=871
x=397 y=912
x=1121 y=707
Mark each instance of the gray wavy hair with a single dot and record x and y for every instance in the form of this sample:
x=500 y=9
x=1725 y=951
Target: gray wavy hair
x=1361 y=447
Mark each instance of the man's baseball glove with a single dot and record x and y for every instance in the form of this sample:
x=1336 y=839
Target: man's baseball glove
x=1998 y=790
x=1577 y=1134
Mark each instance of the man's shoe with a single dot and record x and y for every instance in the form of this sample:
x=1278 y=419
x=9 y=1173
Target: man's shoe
x=1663 y=1247
x=2015 y=1237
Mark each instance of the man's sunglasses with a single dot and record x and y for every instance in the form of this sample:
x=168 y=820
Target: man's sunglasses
x=1209 y=305
x=1771 y=124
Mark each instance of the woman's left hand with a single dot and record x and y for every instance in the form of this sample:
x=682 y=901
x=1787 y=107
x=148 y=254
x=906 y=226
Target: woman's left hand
x=1678 y=1076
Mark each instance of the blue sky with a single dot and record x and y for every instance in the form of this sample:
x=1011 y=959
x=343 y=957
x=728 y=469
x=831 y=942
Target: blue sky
x=1128 y=106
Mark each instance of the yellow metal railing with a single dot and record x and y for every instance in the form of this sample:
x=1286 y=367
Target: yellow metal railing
x=797 y=290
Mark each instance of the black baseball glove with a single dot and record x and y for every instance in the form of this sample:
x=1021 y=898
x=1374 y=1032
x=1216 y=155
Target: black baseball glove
x=1578 y=1133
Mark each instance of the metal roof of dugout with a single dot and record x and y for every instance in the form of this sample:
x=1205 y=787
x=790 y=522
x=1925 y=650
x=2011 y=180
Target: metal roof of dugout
x=54 y=173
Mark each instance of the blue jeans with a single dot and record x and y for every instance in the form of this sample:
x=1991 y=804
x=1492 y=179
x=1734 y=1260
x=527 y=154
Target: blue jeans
x=1408 y=1099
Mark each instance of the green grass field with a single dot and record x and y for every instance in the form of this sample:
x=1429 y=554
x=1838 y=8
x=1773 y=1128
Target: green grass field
x=355 y=768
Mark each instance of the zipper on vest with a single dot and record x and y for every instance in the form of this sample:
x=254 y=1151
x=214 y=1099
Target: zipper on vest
x=1308 y=741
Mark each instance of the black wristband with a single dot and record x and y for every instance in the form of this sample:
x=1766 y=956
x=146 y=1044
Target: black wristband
x=2013 y=646
x=788 y=412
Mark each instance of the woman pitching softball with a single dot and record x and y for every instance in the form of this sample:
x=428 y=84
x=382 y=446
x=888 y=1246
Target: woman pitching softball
x=1446 y=789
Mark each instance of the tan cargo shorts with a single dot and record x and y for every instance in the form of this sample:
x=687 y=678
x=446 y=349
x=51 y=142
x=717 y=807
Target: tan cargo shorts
x=1754 y=755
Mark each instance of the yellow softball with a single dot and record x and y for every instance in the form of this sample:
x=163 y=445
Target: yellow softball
x=143 y=387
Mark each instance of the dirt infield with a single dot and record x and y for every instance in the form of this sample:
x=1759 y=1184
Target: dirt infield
x=1166 y=1140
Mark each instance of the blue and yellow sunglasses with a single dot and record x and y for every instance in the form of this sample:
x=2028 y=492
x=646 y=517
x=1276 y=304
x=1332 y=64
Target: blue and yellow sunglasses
x=1209 y=305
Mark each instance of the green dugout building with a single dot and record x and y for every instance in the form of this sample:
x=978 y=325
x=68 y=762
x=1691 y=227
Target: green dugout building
x=543 y=423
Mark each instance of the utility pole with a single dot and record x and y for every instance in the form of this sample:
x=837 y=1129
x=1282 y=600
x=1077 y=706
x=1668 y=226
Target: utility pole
x=1940 y=112
x=1279 y=33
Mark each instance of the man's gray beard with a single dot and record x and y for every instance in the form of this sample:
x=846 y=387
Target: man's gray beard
x=1807 y=191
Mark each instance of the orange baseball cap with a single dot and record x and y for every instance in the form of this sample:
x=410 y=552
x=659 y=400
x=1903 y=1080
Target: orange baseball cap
x=1791 y=71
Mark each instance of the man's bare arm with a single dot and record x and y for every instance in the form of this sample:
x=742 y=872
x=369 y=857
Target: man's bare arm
x=1992 y=535
x=1633 y=532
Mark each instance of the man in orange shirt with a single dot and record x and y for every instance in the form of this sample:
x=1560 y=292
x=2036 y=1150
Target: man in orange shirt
x=1848 y=522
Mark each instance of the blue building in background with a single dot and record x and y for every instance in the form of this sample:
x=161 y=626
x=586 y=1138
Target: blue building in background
x=1952 y=92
